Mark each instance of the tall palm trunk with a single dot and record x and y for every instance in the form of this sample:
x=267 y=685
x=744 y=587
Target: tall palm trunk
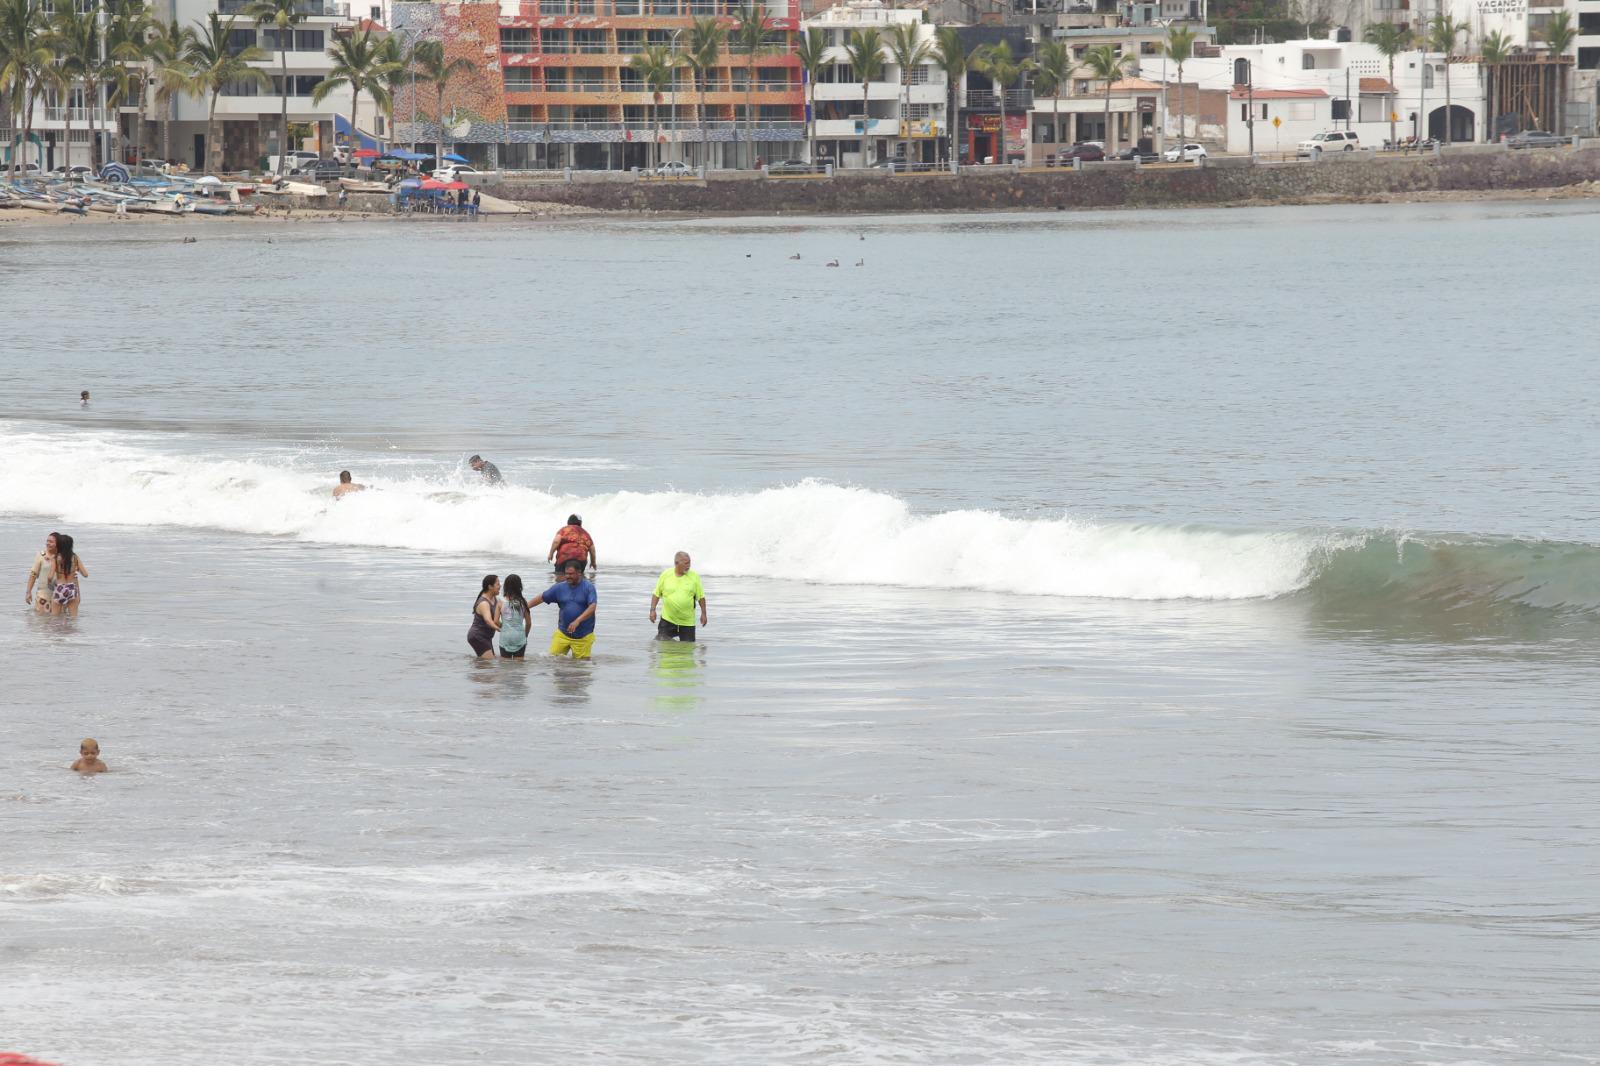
x=1055 y=119
x=749 y=87
x=1183 y=130
x=355 y=131
x=1111 y=142
x=138 y=137
x=950 y=118
x=1488 y=133
x=283 y=112
x=705 y=133
x=66 y=112
x=91 y=97
x=166 y=132
x=655 y=120
x=1447 y=115
x=865 y=120
x=438 y=109
x=1391 y=103
x=905 y=116
x=213 y=138
x=811 y=123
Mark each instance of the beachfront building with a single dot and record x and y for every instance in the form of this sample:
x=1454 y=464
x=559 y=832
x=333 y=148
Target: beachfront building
x=993 y=121
x=1138 y=31
x=1312 y=86
x=1080 y=115
x=905 y=117
x=552 y=85
x=1535 y=88
x=247 y=114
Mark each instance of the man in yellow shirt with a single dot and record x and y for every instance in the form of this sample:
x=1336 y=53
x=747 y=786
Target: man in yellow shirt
x=678 y=590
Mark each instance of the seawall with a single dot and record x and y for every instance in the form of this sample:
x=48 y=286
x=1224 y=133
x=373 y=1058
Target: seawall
x=1219 y=183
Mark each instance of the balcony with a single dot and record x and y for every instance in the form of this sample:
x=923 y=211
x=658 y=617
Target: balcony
x=309 y=8
x=985 y=99
x=579 y=87
x=77 y=114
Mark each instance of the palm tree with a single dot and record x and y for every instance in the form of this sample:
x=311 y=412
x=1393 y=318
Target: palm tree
x=1390 y=40
x=434 y=68
x=812 y=51
x=950 y=53
x=361 y=63
x=1052 y=72
x=1558 y=35
x=1003 y=69
x=752 y=35
x=24 y=57
x=74 y=37
x=130 y=34
x=910 y=51
x=1493 y=51
x=1106 y=64
x=283 y=16
x=168 y=68
x=865 y=52
x=210 y=63
x=399 y=66
x=706 y=38
x=656 y=65
x=1179 y=47
x=1443 y=31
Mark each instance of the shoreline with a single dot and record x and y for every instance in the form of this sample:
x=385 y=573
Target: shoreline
x=550 y=211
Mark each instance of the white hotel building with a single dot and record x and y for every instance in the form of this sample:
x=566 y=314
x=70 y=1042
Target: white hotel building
x=839 y=99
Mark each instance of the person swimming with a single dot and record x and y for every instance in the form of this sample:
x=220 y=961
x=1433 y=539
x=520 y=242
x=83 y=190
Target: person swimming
x=89 y=757
x=346 y=485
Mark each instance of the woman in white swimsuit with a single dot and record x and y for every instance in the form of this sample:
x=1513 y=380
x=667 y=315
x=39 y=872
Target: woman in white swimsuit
x=67 y=571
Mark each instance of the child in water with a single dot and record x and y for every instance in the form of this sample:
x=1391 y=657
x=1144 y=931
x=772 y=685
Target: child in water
x=89 y=757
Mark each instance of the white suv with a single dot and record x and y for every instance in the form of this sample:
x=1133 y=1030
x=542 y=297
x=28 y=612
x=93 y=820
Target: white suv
x=454 y=172
x=1332 y=141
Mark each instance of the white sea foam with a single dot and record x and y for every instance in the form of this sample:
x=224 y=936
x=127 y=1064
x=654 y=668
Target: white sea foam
x=811 y=531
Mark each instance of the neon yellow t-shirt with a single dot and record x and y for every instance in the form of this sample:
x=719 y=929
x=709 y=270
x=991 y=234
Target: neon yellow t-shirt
x=678 y=596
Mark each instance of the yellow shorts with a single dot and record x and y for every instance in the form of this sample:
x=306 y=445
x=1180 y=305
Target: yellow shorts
x=580 y=647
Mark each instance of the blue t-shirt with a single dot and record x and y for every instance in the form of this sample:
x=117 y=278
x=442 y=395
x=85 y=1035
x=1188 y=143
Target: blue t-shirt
x=573 y=601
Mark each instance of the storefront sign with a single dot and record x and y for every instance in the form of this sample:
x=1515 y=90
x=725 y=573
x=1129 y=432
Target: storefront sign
x=1502 y=7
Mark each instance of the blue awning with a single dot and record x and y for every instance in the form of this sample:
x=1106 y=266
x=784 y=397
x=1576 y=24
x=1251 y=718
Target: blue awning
x=451 y=157
x=409 y=157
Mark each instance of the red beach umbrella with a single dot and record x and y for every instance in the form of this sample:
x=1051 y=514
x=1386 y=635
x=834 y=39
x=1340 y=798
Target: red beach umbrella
x=432 y=183
x=367 y=153
x=453 y=186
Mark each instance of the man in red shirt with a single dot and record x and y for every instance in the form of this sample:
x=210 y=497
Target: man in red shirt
x=573 y=542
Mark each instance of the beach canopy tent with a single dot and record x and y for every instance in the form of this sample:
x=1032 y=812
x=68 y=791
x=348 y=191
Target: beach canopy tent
x=402 y=154
x=451 y=157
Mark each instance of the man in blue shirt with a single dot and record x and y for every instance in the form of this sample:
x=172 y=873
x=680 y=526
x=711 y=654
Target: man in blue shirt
x=577 y=600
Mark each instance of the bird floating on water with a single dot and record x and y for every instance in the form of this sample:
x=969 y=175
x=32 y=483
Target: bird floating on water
x=795 y=256
x=833 y=262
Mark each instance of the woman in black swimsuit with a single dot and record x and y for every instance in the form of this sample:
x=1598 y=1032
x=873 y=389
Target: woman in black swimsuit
x=485 y=618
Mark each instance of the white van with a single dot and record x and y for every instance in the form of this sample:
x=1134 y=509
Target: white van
x=1332 y=141
x=295 y=161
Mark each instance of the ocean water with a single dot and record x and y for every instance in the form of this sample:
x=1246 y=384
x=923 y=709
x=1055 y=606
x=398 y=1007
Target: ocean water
x=1135 y=638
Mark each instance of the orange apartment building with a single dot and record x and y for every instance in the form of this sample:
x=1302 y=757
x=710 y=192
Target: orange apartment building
x=558 y=90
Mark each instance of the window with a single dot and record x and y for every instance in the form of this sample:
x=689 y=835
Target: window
x=1241 y=72
x=375 y=13
x=516 y=40
x=1263 y=112
x=518 y=80
x=308 y=41
x=277 y=40
x=239 y=40
x=1341 y=110
x=1308 y=62
x=519 y=113
x=1244 y=112
x=1149 y=48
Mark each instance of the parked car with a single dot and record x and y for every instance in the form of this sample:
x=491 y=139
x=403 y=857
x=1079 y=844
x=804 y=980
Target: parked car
x=318 y=169
x=454 y=172
x=1185 y=153
x=24 y=170
x=1084 y=150
x=1332 y=141
x=793 y=166
x=77 y=173
x=1132 y=154
x=296 y=161
x=1534 y=139
x=674 y=168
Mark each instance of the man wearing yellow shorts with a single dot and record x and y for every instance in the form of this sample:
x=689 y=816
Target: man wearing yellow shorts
x=577 y=600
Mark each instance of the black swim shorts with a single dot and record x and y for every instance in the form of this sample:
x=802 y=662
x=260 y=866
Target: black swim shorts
x=666 y=630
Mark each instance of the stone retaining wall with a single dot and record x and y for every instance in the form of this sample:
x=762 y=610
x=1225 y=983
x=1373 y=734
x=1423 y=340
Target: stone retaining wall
x=1220 y=183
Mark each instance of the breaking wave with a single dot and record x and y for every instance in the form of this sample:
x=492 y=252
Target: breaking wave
x=810 y=531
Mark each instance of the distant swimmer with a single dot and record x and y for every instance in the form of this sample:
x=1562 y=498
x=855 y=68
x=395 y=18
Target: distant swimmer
x=678 y=590
x=83 y=396
x=490 y=472
x=578 y=601
x=89 y=757
x=345 y=485
x=485 y=618
x=573 y=543
x=832 y=263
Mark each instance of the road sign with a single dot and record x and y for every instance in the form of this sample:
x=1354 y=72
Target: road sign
x=1276 y=121
x=1393 y=117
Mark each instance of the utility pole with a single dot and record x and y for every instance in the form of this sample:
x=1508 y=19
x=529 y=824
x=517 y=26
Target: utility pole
x=1250 y=108
x=1347 y=94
